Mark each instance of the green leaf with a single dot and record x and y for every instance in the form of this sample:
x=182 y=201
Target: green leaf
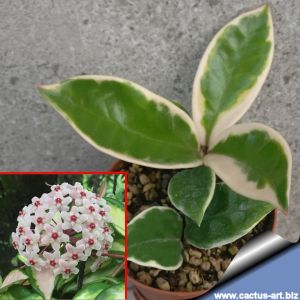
x=20 y=292
x=118 y=217
x=91 y=291
x=100 y=275
x=32 y=280
x=191 y=191
x=118 y=245
x=232 y=72
x=127 y=121
x=228 y=217
x=255 y=161
x=14 y=277
x=154 y=238
x=115 y=292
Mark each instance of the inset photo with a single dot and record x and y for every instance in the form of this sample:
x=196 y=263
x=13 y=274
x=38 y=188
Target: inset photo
x=62 y=235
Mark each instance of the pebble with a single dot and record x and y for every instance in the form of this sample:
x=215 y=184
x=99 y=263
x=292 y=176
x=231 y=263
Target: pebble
x=133 y=189
x=194 y=252
x=144 y=179
x=144 y=277
x=189 y=287
x=220 y=274
x=205 y=266
x=148 y=187
x=186 y=256
x=163 y=284
x=225 y=264
x=182 y=279
x=134 y=267
x=233 y=250
x=195 y=277
x=195 y=261
x=154 y=272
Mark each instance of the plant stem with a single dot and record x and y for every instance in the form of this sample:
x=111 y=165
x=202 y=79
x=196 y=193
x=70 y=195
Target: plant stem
x=113 y=255
x=115 y=184
x=118 y=269
x=80 y=275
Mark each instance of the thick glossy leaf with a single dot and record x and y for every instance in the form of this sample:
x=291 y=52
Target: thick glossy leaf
x=115 y=292
x=127 y=121
x=191 y=191
x=13 y=277
x=98 y=276
x=118 y=245
x=20 y=292
x=154 y=238
x=91 y=291
x=255 y=161
x=118 y=217
x=232 y=72
x=33 y=280
x=228 y=217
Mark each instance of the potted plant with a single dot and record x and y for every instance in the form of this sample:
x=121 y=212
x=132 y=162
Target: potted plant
x=233 y=175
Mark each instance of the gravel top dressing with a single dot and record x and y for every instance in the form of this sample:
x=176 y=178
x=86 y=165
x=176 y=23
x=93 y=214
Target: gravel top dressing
x=201 y=269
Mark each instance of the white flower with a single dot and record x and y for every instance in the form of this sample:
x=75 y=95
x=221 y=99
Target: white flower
x=75 y=253
x=54 y=236
x=63 y=227
x=52 y=259
x=31 y=240
x=33 y=260
x=91 y=241
x=73 y=219
x=66 y=268
x=59 y=202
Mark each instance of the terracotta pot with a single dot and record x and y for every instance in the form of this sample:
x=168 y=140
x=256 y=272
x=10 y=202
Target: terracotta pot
x=144 y=292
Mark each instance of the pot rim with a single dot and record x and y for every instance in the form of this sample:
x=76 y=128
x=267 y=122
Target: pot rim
x=137 y=283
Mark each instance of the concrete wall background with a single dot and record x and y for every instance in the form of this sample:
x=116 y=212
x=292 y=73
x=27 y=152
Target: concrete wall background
x=156 y=43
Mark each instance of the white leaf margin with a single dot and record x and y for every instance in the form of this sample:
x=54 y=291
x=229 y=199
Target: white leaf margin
x=229 y=117
x=150 y=96
x=153 y=263
x=236 y=179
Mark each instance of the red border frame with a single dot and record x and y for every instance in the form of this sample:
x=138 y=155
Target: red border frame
x=125 y=205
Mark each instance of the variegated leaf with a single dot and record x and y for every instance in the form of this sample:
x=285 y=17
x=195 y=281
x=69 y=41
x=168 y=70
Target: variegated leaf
x=255 y=161
x=154 y=238
x=232 y=72
x=127 y=121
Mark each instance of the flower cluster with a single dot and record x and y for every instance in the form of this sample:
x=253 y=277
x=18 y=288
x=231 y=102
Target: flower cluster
x=63 y=227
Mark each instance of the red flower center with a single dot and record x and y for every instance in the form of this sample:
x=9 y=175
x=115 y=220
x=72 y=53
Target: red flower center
x=52 y=262
x=28 y=241
x=54 y=235
x=39 y=220
x=102 y=213
x=21 y=229
x=57 y=188
x=67 y=271
x=75 y=256
x=82 y=194
x=92 y=208
x=73 y=218
x=15 y=244
x=32 y=262
x=105 y=229
x=92 y=226
x=58 y=200
x=91 y=242
x=37 y=203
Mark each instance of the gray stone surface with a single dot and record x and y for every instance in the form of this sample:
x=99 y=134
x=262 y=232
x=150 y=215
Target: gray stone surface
x=155 y=43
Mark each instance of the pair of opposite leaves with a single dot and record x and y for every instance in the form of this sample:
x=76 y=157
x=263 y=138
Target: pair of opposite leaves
x=131 y=123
